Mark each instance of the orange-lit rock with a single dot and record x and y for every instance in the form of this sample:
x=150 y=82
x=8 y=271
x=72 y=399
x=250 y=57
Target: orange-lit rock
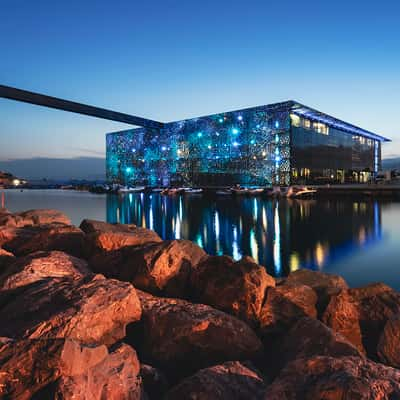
x=65 y=369
x=376 y=304
x=102 y=237
x=325 y=285
x=284 y=306
x=41 y=265
x=116 y=377
x=342 y=316
x=33 y=217
x=328 y=378
x=181 y=337
x=389 y=343
x=160 y=268
x=309 y=337
x=228 y=381
x=237 y=288
x=92 y=310
x=22 y=241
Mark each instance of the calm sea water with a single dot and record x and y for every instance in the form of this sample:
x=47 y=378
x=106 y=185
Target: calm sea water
x=358 y=239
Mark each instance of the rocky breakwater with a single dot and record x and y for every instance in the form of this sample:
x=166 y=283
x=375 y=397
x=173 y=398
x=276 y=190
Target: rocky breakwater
x=107 y=311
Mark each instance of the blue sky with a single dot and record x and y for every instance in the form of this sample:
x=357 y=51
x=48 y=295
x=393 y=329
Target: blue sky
x=170 y=60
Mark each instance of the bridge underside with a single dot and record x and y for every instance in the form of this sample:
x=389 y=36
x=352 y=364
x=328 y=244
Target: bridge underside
x=38 y=99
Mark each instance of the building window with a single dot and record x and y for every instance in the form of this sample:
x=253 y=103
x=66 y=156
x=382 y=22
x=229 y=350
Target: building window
x=307 y=123
x=296 y=120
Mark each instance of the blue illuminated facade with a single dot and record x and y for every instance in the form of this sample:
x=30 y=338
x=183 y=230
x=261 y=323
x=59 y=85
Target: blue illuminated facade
x=282 y=143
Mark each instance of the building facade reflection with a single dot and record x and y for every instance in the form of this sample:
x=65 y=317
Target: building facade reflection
x=283 y=235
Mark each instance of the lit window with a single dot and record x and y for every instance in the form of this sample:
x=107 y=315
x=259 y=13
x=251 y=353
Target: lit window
x=307 y=123
x=296 y=120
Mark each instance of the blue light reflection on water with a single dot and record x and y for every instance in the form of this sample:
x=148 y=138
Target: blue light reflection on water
x=282 y=235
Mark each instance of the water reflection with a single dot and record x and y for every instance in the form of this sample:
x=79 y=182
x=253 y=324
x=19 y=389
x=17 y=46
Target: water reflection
x=282 y=235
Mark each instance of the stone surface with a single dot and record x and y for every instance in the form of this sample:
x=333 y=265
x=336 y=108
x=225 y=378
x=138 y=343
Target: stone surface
x=41 y=265
x=33 y=217
x=28 y=366
x=228 y=381
x=328 y=378
x=65 y=369
x=116 y=377
x=191 y=336
x=6 y=258
x=309 y=337
x=160 y=268
x=342 y=316
x=102 y=237
x=154 y=381
x=325 y=285
x=284 y=306
x=376 y=304
x=92 y=310
x=389 y=343
x=237 y=288
x=22 y=241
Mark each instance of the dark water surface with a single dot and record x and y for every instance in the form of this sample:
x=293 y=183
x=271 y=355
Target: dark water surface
x=358 y=239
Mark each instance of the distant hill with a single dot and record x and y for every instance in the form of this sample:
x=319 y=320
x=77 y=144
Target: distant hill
x=391 y=163
x=89 y=168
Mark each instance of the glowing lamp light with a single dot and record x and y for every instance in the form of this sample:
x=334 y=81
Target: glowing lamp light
x=133 y=150
x=209 y=147
x=163 y=148
x=128 y=170
x=179 y=152
x=252 y=141
x=235 y=144
x=276 y=124
x=264 y=153
x=240 y=118
x=235 y=131
x=16 y=182
x=200 y=134
x=277 y=151
x=221 y=120
x=258 y=126
x=276 y=139
x=277 y=158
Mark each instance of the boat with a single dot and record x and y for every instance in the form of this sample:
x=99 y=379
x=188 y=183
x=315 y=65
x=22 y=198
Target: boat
x=223 y=192
x=126 y=189
x=256 y=191
x=238 y=190
x=193 y=191
x=300 y=192
x=172 y=191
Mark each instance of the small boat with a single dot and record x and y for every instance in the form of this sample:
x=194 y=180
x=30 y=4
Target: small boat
x=224 y=192
x=256 y=191
x=135 y=189
x=193 y=191
x=300 y=192
x=238 y=190
x=172 y=191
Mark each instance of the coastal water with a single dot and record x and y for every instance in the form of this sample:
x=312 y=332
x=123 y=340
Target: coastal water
x=358 y=239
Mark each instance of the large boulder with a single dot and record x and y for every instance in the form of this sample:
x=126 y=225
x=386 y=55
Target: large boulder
x=22 y=241
x=159 y=268
x=342 y=316
x=389 y=343
x=102 y=237
x=33 y=217
x=376 y=304
x=325 y=285
x=6 y=258
x=116 y=377
x=284 y=305
x=41 y=265
x=329 y=378
x=228 y=381
x=92 y=310
x=237 y=288
x=190 y=336
x=309 y=337
x=65 y=369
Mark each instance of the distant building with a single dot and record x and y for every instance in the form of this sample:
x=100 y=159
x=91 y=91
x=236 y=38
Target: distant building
x=7 y=179
x=283 y=143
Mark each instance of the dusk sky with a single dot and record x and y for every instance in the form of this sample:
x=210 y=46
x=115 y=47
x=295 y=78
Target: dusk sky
x=170 y=60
